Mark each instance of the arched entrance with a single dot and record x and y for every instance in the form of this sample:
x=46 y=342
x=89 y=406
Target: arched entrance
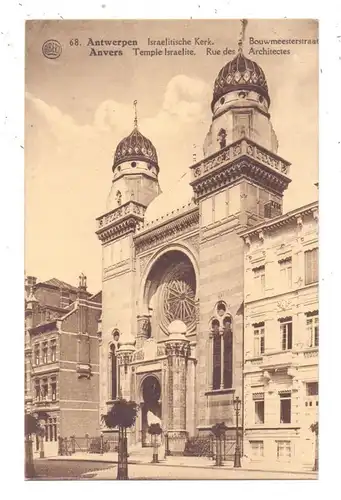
x=151 y=405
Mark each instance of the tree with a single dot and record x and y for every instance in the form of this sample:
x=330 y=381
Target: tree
x=218 y=430
x=315 y=429
x=31 y=427
x=122 y=415
x=155 y=430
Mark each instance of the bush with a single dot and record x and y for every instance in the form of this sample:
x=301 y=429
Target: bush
x=218 y=430
x=95 y=445
x=198 y=447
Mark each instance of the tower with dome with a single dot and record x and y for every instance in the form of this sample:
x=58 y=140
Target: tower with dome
x=174 y=265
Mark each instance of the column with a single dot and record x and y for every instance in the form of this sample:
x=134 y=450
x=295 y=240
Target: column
x=124 y=359
x=143 y=329
x=177 y=352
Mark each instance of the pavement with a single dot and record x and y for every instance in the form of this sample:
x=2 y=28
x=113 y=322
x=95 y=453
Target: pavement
x=63 y=470
x=162 y=471
x=183 y=467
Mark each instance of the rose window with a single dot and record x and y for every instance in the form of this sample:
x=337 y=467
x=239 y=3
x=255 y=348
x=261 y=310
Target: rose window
x=179 y=296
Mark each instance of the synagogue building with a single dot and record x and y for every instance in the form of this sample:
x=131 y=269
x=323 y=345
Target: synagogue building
x=209 y=291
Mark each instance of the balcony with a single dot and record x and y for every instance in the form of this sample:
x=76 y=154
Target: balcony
x=271 y=361
x=44 y=404
x=279 y=359
x=282 y=359
x=309 y=356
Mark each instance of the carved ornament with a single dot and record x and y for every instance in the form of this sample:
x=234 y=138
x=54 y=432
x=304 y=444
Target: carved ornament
x=267 y=161
x=178 y=348
x=167 y=232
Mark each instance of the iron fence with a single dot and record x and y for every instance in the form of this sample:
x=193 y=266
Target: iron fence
x=87 y=444
x=226 y=445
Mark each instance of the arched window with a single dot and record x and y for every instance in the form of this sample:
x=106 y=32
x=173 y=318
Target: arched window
x=216 y=354
x=113 y=370
x=228 y=341
x=222 y=349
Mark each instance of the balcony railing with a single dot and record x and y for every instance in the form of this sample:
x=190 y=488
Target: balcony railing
x=282 y=358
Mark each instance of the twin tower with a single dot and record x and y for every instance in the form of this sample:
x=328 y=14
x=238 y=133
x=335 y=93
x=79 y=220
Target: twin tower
x=172 y=320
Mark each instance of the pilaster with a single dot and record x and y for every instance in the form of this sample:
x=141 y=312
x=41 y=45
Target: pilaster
x=143 y=329
x=177 y=351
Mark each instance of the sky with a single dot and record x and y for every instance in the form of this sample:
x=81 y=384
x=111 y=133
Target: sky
x=78 y=107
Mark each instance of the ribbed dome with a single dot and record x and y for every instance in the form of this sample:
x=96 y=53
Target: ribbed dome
x=135 y=147
x=240 y=73
x=166 y=202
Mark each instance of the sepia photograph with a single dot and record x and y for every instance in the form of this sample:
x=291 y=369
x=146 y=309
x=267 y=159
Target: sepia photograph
x=171 y=249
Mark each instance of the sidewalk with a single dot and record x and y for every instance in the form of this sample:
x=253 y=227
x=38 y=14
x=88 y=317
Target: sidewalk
x=180 y=461
x=165 y=472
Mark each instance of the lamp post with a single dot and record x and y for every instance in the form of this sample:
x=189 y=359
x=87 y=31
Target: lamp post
x=237 y=455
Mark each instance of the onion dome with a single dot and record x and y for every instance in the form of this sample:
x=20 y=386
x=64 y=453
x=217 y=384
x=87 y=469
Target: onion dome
x=240 y=74
x=135 y=147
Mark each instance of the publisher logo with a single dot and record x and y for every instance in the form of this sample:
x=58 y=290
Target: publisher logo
x=52 y=49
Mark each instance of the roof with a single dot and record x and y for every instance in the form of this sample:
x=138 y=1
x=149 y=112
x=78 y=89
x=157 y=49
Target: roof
x=280 y=220
x=97 y=297
x=135 y=147
x=166 y=204
x=58 y=284
x=240 y=73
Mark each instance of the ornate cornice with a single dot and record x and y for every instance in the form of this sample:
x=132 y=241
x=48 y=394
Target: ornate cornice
x=243 y=158
x=122 y=220
x=167 y=231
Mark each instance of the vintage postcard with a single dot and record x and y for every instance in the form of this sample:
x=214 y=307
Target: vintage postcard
x=171 y=262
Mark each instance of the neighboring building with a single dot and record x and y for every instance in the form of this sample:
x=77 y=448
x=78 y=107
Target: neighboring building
x=281 y=338
x=61 y=358
x=174 y=283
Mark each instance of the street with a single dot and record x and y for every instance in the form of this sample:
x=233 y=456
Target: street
x=64 y=469
x=73 y=470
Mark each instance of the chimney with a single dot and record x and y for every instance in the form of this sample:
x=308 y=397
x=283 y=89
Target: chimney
x=272 y=209
x=83 y=355
x=30 y=282
x=82 y=282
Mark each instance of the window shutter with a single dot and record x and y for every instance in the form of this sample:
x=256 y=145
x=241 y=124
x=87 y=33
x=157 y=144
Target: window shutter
x=289 y=326
x=262 y=344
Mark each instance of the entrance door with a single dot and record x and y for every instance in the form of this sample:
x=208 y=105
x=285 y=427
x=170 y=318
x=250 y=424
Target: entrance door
x=151 y=406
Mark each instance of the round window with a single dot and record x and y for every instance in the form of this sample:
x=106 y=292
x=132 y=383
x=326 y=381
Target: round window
x=133 y=164
x=179 y=296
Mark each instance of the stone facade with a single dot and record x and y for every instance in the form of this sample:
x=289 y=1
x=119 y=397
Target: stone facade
x=281 y=338
x=62 y=358
x=171 y=259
